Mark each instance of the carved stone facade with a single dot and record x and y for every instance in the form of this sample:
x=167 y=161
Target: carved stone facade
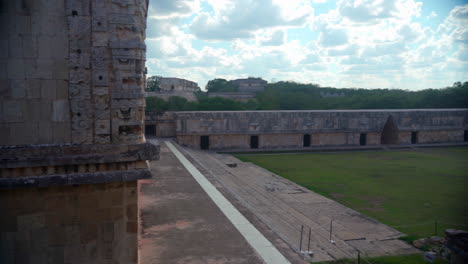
x=72 y=148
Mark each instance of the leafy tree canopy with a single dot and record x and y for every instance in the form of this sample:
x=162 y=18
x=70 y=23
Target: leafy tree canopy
x=297 y=96
x=152 y=83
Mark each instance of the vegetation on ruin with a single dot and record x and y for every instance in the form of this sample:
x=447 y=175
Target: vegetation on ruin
x=407 y=259
x=296 y=96
x=152 y=83
x=220 y=85
x=408 y=190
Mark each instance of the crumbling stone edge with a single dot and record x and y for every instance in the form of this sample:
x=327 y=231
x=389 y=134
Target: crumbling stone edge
x=75 y=178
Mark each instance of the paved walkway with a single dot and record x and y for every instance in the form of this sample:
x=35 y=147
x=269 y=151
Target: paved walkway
x=180 y=223
x=285 y=206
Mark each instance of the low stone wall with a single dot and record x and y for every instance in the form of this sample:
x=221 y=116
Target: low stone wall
x=286 y=129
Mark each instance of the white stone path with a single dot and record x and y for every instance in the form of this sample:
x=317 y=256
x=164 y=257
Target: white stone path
x=262 y=246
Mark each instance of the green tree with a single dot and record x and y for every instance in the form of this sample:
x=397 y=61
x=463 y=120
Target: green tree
x=152 y=83
x=155 y=104
x=220 y=85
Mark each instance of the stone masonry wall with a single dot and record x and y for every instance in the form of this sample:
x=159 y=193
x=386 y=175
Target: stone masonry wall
x=34 y=106
x=72 y=147
x=318 y=121
x=285 y=129
x=72 y=71
x=74 y=224
x=107 y=72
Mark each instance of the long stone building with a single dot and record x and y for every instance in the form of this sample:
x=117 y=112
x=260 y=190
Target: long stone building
x=177 y=84
x=299 y=129
x=71 y=130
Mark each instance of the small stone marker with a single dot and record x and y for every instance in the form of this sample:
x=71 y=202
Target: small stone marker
x=429 y=256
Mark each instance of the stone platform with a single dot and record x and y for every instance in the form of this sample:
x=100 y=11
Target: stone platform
x=285 y=206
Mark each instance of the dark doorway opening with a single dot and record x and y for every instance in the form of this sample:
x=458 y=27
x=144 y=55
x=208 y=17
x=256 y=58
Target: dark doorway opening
x=205 y=142
x=389 y=134
x=150 y=130
x=363 y=139
x=414 y=137
x=306 y=140
x=254 y=142
x=465 y=136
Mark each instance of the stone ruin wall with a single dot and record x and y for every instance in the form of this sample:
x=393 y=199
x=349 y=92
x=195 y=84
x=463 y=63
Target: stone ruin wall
x=285 y=129
x=72 y=148
x=160 y=124
x=177 y=84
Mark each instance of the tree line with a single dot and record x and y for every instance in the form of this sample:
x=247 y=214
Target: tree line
x=297 y=96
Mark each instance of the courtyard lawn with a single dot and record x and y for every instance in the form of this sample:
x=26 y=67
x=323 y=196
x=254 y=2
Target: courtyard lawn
x=408 y=259
x=408 y=190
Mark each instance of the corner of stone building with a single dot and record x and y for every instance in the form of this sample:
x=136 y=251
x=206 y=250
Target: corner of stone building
x=71 y=119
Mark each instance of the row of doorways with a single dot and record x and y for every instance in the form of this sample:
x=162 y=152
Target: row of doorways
x=254 y=142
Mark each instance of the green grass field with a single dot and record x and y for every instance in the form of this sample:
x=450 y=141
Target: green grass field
x=408 y=190
x=408 y=259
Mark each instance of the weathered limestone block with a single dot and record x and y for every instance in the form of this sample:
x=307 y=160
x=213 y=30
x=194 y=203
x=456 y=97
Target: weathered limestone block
x=60 y=109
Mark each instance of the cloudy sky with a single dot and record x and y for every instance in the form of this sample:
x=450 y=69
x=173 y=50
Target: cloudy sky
x=406 y=44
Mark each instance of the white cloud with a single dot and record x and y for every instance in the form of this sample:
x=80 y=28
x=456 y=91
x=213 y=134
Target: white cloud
x=410 y=32
x=344 y=51
x=455 y=25
x=360 y=43
x=370 y=11
x=276 y=38
x=330 y=37
x=462 y=54
x=172 y=8
x=244 y=17
x=381 y=49
x=310 y=58
x=431 y=15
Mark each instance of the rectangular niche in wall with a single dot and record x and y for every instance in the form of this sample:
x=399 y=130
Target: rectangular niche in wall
x=254 y=142
x=205 y=142
x=363 y=139
x=414 y=137
x=150 y=130
x=306 y=140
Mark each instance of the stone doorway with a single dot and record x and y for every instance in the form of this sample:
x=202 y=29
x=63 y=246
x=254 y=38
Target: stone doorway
x=306 y=140
x=204 y=142
x=254 y=142
x=150 y=130
x=363 y=139
x=414 y=137
x=390 y=132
